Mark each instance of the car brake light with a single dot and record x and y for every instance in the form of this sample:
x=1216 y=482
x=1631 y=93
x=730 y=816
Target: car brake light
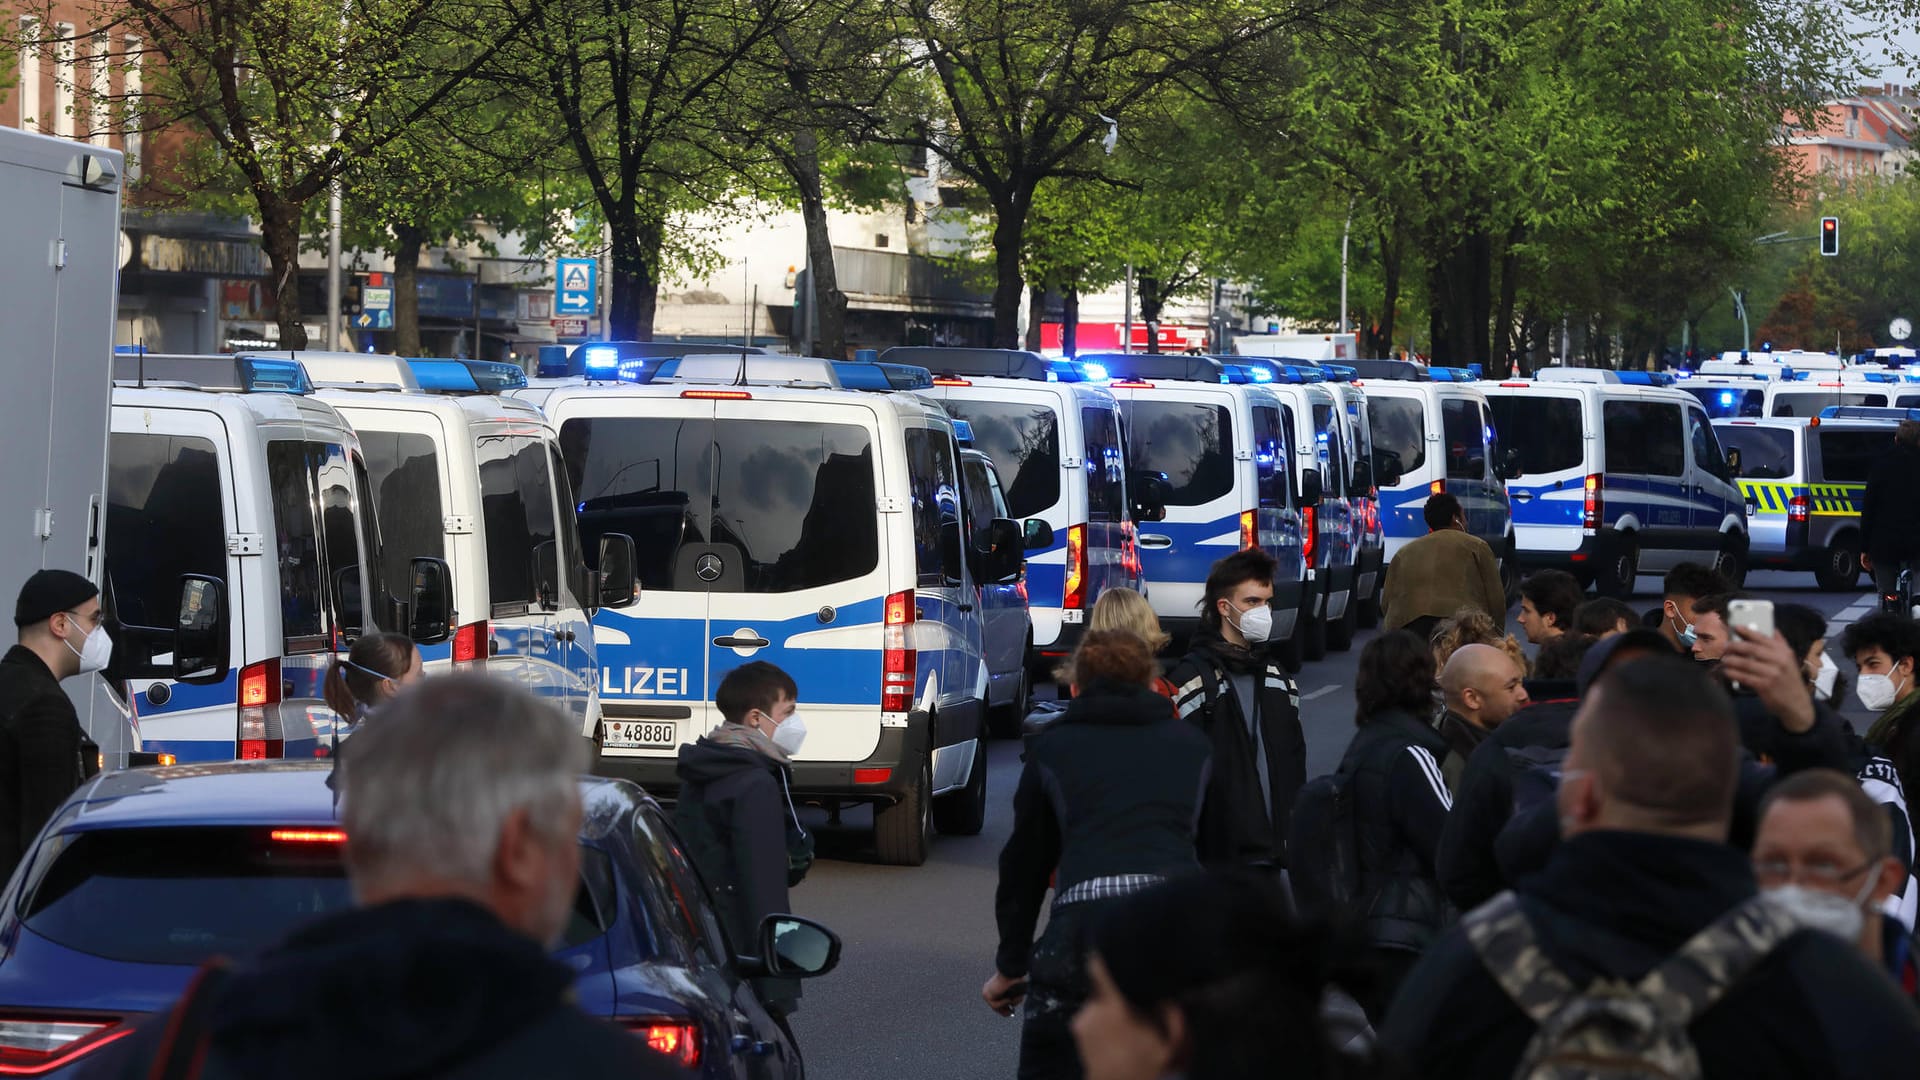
x=872 y=776
x=952 y=382
x=717 y=395
x=257 y=737
x=309 y=836
x=898 y=660
x=1310 y=528
x=676 y=1039
x=1076 y=592
x=1797 y=508
x=1591 y=512
x=472 y=643
x=1519 y=385
x=1131 y=384
x=34 y=1046
x=1248 y=536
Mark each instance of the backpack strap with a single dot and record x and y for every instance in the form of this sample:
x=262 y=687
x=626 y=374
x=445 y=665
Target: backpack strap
x=183 y=1047
x=1507 y=946
x=1690 y=981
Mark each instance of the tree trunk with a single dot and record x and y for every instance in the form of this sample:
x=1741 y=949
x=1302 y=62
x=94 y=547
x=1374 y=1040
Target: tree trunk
x=829 y=326
x=1499 y=365
x=636 y=279
x=1152 y=303
x=1036 y=312
x=1070 y=321
x=408 y=239
x=1009 y=238
x=280 y=237
x=1391 y=260
x=1439 y=307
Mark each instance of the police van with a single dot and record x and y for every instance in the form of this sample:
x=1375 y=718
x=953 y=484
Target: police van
x=781 y=518
x=1221 y=455
x=1803 y=480
x=1329 y=541
x=242 y=554
x=1805 y=395
x=1362 y=492
x=1054 y=437
x=1006 y=630
x=1431 y=437
x=462 y=474
x=1615 y=473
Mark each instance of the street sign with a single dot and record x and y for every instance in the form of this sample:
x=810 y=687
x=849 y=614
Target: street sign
x=372 y=299
x=374 y=320
x=570 y=327
x=1900 y=330
x=574 y=289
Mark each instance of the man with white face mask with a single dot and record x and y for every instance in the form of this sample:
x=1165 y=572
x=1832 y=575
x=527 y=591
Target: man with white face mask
x=44 y=754
x=1883 y=646
x=1824 y=852
x=1234 y=690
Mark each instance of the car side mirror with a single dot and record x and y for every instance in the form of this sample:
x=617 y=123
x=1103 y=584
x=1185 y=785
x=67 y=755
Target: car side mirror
x=619 y=573
x=952 y=552
x=1002 y=551
x=1150 y=492
x=1036 y=534
x=431 y=616
x=1387 y=469
x=546 y=574
x=1310 y=491
x=347 y=599
x=200 y=639
x=1510 y=464
x=791 y=947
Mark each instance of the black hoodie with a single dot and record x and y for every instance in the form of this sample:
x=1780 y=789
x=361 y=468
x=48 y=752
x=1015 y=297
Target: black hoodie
x=1235 y=827
x=413 y=988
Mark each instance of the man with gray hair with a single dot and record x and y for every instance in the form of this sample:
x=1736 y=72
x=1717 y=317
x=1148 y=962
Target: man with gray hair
x=461 y=805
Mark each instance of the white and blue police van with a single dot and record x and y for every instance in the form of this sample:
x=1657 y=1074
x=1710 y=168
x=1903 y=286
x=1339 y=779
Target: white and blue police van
x=1054 y=436
x=462 y=474
x=1433 y=433
x=1362 y=492
x=1219 y=451
x=780 y=517
x=1615 y=473
x=1006 y=630
x=243 y=553
x=1807 y=394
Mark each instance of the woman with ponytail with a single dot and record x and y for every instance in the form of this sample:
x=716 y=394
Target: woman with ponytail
x=374 y=670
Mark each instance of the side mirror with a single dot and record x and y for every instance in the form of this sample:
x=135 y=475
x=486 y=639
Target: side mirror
x=1150 y=492
x=1387 y=468
x=619 y=574
x=1510 y=463
x=952 y=552
x=1310 y=491
x=200 y=635
x=432 y=617
x=546 y=574
x=347 y=600
x=1036 y=534
x=1002 y=551
x=1733 y=463
x=791 y=947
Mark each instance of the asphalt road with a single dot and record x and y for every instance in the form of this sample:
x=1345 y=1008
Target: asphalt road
x=919 y=941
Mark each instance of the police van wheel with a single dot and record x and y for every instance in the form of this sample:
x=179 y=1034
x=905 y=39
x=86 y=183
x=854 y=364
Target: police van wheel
x=903 y=832
x=1004 y=721
x=1841 y=570
x=1731 y=562
x=964 y=813
x=1619 y=569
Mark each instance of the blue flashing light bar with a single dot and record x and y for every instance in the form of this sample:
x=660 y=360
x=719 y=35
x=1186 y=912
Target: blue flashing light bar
x=1160 y=367
x=986 y=363
x=963 y=433
x=872 y=375
x=1867 y=412
x=1340 y=372
x=1646 y=378
x=443 y=376
x=1452 y=374
x=599 y=359
x=266 y=375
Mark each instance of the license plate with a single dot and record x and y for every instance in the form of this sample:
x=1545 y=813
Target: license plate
x=640 y=734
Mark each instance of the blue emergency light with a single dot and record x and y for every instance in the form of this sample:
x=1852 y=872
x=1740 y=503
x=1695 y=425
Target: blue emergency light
x=963 y=433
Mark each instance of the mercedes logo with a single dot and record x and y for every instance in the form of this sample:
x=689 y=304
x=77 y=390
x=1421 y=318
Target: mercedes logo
x=709 y=567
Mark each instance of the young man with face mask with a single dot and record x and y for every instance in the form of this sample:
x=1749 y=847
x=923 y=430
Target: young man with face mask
x=1232 y=688
x=1883 y=646
x=1825 y=852
x=1684 y=586
x=44 y=754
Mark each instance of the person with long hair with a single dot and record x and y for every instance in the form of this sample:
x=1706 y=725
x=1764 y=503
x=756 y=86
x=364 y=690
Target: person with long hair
x=371 y=673
x=1110 y=795
x=1124 y=609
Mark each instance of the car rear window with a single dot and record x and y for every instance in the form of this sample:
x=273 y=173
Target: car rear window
x=1765 y=453
x=1399 y=431
x=1730 y=400
x=1545 y=430
x=1188 y=443
x=1024 y=443
x=650 y=478
x=1847 y=456
x=797 y=499
x=516 y=501
x=404 y=471
x=1106 y=465
x=1810 y=402
x=164 y=519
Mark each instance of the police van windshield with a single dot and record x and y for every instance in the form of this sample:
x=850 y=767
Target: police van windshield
x=1024 y=443
x=1399 y=431
x=403 y=472
x=165 y=517
x=1730 y=400
x=793 y=500
x=1546 y=431
x=1188 y=443
x=1765 y=453
x=1810 y=402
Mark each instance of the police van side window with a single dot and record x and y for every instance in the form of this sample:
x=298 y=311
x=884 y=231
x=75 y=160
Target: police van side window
x=1706 y=448
x=797 y=500
x=977 y=482
x=340 y=532
x=403 y=471
x=1270 y=458
x=1024 y=443
x=165 y=517
x=1362 y=447
x=572 y=559
x=1847 y=456
x=1105 y=465
x=923 y=482
x=1333 y=474
x=516 y=506
x=303 y=614
x=649 y=478
x=1466 y=439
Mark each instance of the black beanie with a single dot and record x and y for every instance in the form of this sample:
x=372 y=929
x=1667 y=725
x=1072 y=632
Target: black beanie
x=50 y=592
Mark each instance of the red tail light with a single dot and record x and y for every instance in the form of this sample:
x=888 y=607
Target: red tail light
x=1310 y=530
x=718 y=395
x=872 y=776
x=1438 y=487
x=37 y=1045
x=1131 y=384
x=952 y=382
x=472 y=643
x=256 y=738
x=899 y=660
x=1596 y=503
x=309 y=836
x=1249 y=535
x=675 y=1038
x=1076 y=593
x=1797 y=508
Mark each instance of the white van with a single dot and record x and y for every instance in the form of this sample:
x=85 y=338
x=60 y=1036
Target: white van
x=1330 y=542
x=476 y=479
x=242 y=555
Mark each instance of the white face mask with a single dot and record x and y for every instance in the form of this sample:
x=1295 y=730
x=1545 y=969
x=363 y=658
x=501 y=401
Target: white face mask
x=1826 y=911
x=95 y=652
x=1877 y=692
x=1823 y=679
x=1254 y=624
x=791 y=733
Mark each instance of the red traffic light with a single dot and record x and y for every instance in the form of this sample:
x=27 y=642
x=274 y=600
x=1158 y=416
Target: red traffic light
x=1829 y=236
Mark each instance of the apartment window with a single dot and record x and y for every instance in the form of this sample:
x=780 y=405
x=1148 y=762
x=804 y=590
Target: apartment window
x=131 y=86
x=30 y=74
x=63 y=80
x=880 y=240
x=100 y=93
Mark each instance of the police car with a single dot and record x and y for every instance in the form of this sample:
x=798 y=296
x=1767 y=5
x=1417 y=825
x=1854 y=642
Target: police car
x=1613 y=473
x=1803 y=480
x=242 y=551
x=780 y=517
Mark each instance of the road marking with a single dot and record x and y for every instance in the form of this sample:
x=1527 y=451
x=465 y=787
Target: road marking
x=1320 y=693
x=1854 y=612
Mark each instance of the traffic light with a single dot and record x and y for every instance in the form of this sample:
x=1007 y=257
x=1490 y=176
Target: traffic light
x=1829 y=236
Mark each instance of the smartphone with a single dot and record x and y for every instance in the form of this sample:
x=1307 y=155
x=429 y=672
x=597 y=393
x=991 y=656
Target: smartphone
x=1753 y=616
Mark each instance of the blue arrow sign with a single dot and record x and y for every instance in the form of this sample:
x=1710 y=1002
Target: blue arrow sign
x=574 y=290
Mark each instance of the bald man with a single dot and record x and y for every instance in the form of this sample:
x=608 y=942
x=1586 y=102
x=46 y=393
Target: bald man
x=1483 y=687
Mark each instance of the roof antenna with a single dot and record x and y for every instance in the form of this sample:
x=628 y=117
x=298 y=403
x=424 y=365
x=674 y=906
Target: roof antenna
x=140 y=351
x=741 y=379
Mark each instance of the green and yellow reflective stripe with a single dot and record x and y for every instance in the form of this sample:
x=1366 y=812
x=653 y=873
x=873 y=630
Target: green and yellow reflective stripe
x=1767 y=498
x=1837 y=500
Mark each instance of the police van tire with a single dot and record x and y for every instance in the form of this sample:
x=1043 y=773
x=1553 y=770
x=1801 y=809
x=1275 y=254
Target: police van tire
x=1340 y=632
x=1840 y=572
x=964 y=812
x=1619 y=569
x=903 y=832
x=1004 y=721
x=1731 y=561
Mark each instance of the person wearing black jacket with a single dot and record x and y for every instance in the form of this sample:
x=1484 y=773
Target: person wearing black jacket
x=735 y=815
x=1108 y=798
x=1647 y=798
x=1890 y=512
x=1231 y=688
x=44 y=753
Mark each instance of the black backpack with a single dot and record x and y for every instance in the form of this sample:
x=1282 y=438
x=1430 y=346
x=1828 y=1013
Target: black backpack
x=1323 y=846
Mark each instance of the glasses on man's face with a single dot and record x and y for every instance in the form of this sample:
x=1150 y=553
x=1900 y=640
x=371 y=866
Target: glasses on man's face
x=98 y=617
x=1816 y=872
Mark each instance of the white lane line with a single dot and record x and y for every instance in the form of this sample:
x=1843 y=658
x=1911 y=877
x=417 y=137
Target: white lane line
x=1320 y=693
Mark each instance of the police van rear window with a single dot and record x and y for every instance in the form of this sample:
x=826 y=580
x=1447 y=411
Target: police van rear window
x=1188 y=443
x=1024 y=443
x=165 y=518
x=1546 y=431
x=1765 y=453
x=1399 y=431
x=404 y=470
x=517 y=511
x=1810 y=402
x=651 y=479
x=1847 y=456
